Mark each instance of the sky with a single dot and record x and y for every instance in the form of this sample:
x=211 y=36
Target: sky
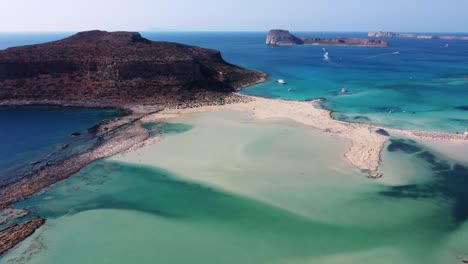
x=234 y=15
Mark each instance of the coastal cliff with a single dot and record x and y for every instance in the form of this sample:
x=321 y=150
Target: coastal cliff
x=282 y=37
x=385 y=34
x=285 y=38
x=117 y=67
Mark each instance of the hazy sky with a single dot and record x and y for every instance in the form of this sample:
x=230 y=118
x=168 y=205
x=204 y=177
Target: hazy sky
x=234 y=15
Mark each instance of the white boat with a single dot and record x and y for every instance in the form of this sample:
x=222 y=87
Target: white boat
x=281 y=81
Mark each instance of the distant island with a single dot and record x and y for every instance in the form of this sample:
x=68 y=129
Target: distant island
x=386 y=34
x=117 y=68
x=282 y=37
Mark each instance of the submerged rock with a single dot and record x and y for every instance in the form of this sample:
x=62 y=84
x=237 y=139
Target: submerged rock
x=406 y=146
x=382 y=132
x=375 y=175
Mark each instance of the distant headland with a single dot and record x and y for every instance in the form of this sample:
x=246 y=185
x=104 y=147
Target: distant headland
x=282 y=37
x=386 y=34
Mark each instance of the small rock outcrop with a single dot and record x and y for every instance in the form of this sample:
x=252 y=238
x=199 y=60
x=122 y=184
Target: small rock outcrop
x=282 y=37
x=117 y=67
x=18 y=232
x=285 y=38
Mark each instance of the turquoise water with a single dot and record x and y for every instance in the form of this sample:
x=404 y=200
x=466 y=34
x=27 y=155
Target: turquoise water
x=411 y=84
x=164 y=128
x=30 y=133
x=197 y=197
x=222 y=188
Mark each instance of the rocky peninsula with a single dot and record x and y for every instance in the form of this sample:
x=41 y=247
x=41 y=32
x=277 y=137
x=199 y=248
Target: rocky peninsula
x=115 y=68
x=282 y=37
x=386 y=34
x=107 y=69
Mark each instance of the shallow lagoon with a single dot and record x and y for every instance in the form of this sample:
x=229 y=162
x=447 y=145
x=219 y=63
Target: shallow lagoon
x=234 y=190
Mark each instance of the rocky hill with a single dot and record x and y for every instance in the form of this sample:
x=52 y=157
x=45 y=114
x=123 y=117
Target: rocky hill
x=282 y=37
x=116 y=68
x=285 y=38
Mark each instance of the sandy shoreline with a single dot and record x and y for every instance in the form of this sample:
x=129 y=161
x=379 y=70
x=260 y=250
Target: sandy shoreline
x=127 y=133
x=367 y=145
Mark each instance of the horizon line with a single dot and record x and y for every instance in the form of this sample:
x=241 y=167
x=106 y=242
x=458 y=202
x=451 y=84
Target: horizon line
x=228 y=31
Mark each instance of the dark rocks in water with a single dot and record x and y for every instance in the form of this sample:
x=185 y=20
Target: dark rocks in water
x=361 y=118
x=320 y=99
x=453 y=184
x=403 y=145
x=462 y=107
x=450 y=181
x=16 y=233
x=412 y=191
x=430 y=158
x=374 y=175
x=340 y=116
x=382 y=132
x=285 y=38
x=93 y=129
x=427 y=156
x=64 y=146
x=113 y=68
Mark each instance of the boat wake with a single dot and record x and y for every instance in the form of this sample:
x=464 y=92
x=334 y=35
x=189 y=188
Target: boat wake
x=384 y=54
x=325 y=55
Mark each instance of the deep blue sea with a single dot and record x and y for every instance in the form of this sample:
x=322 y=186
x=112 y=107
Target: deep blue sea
x=421 y=84
x=414 y=83
x=32 y=133
x=187 y=193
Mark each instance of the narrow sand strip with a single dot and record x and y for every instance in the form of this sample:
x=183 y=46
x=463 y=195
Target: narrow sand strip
x=366 y=146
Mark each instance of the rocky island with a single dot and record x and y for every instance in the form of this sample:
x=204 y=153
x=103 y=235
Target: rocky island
x=386 y=34
x=285 y=38
x=115 y=68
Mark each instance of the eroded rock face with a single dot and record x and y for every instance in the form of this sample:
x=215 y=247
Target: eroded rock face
x=282 y=37
x=116 y=67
